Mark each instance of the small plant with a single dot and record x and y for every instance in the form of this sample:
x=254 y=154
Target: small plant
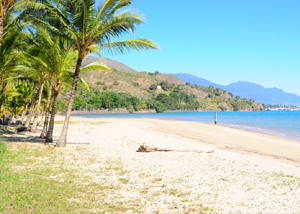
x=136 y=84
x=222 y=108
x=99 y=83
x=153 y=87
x=116 y=82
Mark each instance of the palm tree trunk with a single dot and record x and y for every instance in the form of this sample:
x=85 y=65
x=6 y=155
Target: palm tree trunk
x=33 y=100
x=24 y=112
x=1 y=29
x=45 y=128
x=4 y=84
x=3 y=114
x=42 y=118
x=62 y=141
x=37 y=111
x=49 y=137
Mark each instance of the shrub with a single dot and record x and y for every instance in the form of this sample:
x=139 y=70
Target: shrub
x=153 y=87
x=99 y=83
x=231 y=94
x=222 y=108
x=187 y=83
x=136 y=84
x=116 y=82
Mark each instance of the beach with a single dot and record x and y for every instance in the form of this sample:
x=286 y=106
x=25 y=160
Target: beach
x=248 y=172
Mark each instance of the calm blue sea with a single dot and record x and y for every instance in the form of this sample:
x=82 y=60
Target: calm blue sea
x=279 y=123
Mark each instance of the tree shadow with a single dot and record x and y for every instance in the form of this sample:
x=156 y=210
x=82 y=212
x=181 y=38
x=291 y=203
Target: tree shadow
x=28 y=137
x=22 y=137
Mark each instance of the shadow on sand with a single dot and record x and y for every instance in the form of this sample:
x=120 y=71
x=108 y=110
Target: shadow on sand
x=28 y=137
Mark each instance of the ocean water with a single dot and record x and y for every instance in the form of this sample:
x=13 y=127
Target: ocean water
x=284 y=124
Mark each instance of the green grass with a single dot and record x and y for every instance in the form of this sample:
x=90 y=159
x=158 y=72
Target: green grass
x=35 y=180
x=40 y=179
x=2 y=147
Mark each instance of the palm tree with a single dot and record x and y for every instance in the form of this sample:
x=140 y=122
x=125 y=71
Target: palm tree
x=39 y=65
x=13 y=102
x=24 y=90
x=7 y=7
x=65 y=75
x=9 y=60
x=93 y=30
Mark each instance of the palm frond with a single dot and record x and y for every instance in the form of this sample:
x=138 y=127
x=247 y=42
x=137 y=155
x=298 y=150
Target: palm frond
x=96 y=66
x=128 y=45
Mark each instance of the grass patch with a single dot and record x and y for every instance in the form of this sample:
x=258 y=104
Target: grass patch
x=36 y=180
x=2 y=147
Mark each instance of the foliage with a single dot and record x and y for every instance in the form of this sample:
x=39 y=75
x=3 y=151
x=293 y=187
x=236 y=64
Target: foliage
x=153 y=87
x=136 y=84
x=116 y=82
x=222 y=108
x=97 y=100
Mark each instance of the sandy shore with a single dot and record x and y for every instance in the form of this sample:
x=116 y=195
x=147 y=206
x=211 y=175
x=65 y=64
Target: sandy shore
x=217 y=136
x=248 y=172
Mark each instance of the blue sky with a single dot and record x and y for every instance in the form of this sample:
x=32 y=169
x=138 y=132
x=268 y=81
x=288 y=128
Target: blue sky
x=223 y=41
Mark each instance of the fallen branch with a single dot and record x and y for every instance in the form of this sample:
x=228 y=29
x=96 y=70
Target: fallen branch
x=146 y=148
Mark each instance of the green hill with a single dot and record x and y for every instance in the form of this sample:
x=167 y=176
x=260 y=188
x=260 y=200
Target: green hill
x=110 y=63
x=138 y=91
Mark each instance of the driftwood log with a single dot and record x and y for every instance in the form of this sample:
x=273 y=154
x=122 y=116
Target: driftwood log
x=146 y=148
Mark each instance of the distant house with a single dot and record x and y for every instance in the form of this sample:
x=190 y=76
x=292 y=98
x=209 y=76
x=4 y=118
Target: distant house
x=159 y=87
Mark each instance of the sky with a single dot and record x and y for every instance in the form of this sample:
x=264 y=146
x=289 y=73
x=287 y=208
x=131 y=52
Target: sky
x=223 y=41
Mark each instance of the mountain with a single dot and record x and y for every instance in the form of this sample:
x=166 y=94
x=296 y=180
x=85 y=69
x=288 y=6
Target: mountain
x=248 y=90
x=263 y=95
x=173 y=93
x=195 y=80
x=110 y=63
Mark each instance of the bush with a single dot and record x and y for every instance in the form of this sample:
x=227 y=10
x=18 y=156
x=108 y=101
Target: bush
x=222 y=108
x=99 y=83
x=116 y=82
x=187 y=83
x=2 y=147
x=153 y=87
x=136 y=84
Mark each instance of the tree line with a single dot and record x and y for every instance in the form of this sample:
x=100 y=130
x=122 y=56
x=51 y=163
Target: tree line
x=42 y=46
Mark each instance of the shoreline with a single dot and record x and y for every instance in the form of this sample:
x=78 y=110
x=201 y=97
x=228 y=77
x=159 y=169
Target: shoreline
x=251 y=128
x=147 y=112
x=224 y=137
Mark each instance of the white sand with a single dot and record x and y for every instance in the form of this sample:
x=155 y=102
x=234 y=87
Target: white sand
x=237 y=177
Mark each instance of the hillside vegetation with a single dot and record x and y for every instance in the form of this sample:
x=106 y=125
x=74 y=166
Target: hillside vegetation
x=136 y=91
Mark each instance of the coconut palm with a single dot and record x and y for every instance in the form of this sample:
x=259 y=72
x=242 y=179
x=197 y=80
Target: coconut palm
x=13 y=102
x=40 y=62
x=64 y=75
x=24 y=89
x=7 y=7
x=9 y=60
x=95 y=30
